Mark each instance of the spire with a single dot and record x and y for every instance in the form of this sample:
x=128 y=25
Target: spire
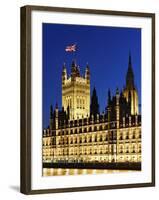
x=87 y=73
x=73 y=66
x=117 y=91
x=129 y=58
x=130 y=74
x=56 y=107
x=94 y=108
x=73 y=71
x=64 y=73
x=64 y=66
x=109 y=97
x=51 y=112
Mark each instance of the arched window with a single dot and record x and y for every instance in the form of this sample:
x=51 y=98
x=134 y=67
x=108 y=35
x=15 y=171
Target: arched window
x=127 y=149
x=134 y=135
x=95 y=138
x=100 y=128
x=77 y=102
x=121 y=149
x=133 y=150
x=127 y=136
x=75 y=131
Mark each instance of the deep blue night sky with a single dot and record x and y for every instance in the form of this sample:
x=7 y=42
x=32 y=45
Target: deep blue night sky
x=106 y=49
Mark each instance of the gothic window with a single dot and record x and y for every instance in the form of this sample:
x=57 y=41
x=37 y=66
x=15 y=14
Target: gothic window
x=133 y=134
x=95 y=128
x=100 y=138
x=127 y=149
x=75 y=140
x=75 y=131
x=114 y=135
x=77 y=102
x=139 y=134
x=121 y=149
x=83 y=104
x=95 y=138
x=90 y=129
x=121 y=136
x=127 y=135
x=100 y=128
x=80 y=103
x=133 y=149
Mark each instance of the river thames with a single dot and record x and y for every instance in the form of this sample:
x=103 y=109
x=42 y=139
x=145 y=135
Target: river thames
x=62 y=172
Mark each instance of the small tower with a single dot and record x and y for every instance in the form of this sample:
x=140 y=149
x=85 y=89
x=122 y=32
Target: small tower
x=51 y=117
x=115 y=147
x=108 y=108
x=109 y=97
x=76 y=92
x=87 y=74
x=73 y=71
x=64 y=74
x=94 y=108
x=117 y=108
x=56 y=116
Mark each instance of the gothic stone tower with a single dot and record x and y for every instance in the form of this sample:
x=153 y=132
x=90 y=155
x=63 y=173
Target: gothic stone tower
x=130 y=90
x=76 y=92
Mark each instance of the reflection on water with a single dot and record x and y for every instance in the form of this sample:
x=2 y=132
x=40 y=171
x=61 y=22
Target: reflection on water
x=61 y=172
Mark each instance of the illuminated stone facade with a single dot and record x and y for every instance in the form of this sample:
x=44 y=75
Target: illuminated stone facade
x=76 y=92
x=76 y=135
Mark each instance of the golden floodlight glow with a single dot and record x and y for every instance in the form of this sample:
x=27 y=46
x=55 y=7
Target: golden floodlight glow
x=76 y=136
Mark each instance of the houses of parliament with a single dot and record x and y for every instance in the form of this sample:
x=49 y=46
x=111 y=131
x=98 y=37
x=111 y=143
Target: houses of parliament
x=79 y=133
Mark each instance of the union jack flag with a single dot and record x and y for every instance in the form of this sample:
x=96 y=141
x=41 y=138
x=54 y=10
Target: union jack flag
x=71 y=48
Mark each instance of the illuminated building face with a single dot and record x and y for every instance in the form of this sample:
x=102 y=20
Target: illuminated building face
x=78 y=144
x=84 y=135
x=76 y=93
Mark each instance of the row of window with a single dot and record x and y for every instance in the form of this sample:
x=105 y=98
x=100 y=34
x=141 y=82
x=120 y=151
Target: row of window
x=80 y=102
x=83 y=130
x=88 y=152
x=88 y=139
x=89 y=129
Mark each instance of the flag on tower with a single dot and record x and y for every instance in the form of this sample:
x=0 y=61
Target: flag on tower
x=71 y=48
